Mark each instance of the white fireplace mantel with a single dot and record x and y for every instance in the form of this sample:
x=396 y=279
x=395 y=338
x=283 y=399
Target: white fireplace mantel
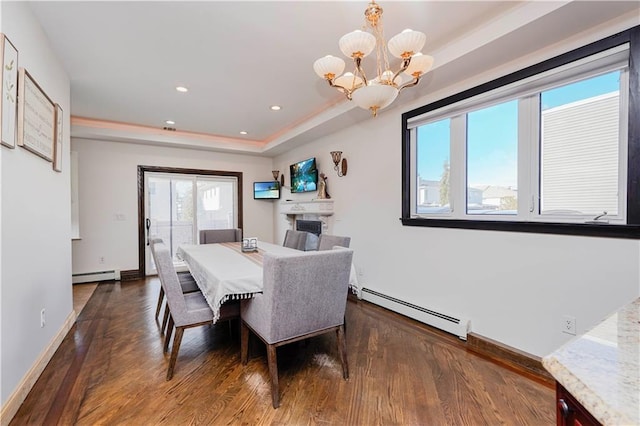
x=308 y=210
x=317 y=207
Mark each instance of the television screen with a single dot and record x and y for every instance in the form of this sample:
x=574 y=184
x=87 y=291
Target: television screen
x=304 y=176
x=266 y=190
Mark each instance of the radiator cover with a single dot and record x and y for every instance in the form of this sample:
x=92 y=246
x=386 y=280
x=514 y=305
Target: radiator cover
x=457 y=326
x=90 y=277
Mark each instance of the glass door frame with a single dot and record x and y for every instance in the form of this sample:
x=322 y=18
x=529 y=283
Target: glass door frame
x=142 y=232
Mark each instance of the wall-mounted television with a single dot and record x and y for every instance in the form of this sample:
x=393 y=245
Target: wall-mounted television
x=304 y=175
x=266 y=190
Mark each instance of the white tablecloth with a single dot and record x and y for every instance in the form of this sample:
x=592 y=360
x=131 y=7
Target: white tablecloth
x=223 y=272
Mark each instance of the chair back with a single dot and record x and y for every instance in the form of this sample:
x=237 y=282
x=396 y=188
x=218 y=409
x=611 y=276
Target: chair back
x=304 y=293
x=152 y=243
x=154 y=239
x=327 y=242
x=213 y=236
x=295 y=239
x=170 y=282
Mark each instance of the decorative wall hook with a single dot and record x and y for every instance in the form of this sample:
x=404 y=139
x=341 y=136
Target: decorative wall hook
x=339 y=166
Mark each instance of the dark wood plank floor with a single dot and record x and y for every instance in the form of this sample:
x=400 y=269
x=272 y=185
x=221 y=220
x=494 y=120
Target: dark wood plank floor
x=110 y=369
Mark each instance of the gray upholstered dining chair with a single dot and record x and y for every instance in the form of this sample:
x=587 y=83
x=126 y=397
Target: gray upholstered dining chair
x=185 y=310
x=303 y=296
x=187 y=282
x=295 y=239
x=327 y=242
x=212 y=236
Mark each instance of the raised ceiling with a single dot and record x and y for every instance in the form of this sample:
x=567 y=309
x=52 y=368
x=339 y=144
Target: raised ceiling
x=238 y=58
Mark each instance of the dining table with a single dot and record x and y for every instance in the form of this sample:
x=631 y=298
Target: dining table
x=223 y=271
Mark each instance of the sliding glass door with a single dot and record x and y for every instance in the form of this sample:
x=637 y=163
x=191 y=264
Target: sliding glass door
x=179 y=205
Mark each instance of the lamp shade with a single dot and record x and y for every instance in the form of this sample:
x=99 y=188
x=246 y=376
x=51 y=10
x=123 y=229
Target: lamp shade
x=419 y=65
x=406 y=43
x=348 y=81
x=375 y=96
x=328 y=67
x=357 y=44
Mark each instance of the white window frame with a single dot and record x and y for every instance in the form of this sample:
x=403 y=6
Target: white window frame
x=527 y=92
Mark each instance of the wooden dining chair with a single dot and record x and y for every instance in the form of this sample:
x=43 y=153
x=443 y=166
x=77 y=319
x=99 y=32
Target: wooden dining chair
x=303 y=296
x=213 y=236
x=327 y=242
x=185 y=310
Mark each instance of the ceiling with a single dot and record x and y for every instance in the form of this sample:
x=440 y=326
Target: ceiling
x=237 y=58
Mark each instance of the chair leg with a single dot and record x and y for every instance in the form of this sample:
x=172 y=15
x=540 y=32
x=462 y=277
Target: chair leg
x=342 y=351
x=174 y=351
x=168 y=336
x=160 y=297
x=244 y=343
x=272 y=359
x=166 y=316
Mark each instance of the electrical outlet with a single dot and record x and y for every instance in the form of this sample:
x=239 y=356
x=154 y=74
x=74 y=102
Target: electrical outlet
x=101 y=260
x=42 y=321
x=569 y=324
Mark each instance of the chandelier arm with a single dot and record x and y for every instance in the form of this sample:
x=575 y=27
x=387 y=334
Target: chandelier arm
x=344 y=90
x=360 y=71
x=409 y=84
x=405 y=65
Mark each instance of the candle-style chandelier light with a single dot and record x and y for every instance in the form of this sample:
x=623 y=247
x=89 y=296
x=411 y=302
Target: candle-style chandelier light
x=378 y=92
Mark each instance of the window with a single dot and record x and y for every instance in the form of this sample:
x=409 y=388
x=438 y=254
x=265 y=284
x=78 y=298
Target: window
x=433 y=153
x=173 y=198
x=545 y=149
x=579 y=145
x=492 y=159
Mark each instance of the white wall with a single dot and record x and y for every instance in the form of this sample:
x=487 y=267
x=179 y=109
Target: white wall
x=108 y=186
x=515 y=287
x=35 y=218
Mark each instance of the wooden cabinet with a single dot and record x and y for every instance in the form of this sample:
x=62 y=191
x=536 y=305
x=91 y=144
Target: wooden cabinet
x=569 y=411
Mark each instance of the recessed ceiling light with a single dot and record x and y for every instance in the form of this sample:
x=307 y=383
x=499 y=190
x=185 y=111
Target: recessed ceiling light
x=182 y=89
x=244 y=132
x=275 y=107
x=170 y=122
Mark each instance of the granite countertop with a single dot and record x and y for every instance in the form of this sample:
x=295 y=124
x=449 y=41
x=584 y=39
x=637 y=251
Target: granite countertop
x=601 y=368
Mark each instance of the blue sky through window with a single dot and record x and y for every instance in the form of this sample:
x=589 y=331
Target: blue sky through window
x=493 y=133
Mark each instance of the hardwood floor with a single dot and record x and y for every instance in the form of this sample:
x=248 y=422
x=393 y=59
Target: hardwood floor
x=110 y=369
x=81 y=295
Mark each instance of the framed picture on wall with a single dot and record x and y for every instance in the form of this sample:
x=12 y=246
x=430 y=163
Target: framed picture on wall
x=36 y=117
x=57 y=154
x=8 y=103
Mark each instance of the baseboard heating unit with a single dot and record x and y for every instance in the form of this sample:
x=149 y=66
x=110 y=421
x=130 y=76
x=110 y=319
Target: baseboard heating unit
x=457 y=326
x=90 y=277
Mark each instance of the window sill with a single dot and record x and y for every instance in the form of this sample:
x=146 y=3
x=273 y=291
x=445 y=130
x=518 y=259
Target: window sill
x=579 y=229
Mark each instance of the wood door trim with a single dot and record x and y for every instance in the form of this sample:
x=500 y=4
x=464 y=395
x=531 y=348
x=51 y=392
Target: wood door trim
x=141 y=208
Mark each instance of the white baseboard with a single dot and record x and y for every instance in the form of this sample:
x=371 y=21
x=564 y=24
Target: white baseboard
x=15 y=400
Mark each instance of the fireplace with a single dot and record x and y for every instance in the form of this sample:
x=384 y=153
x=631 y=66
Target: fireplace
x=312 y=226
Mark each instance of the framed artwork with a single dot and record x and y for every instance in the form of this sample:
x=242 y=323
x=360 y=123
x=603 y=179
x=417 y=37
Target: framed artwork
x=36 y=117
x=57 y=154
x=8 y=104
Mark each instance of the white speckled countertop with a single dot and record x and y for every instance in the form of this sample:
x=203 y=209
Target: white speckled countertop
x=601 y=369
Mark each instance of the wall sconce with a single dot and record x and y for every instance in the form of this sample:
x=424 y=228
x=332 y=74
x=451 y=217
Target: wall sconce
x=339 y=166
x=276 y=174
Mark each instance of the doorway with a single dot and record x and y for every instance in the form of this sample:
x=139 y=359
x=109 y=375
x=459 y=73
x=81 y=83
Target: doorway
x=175 y=204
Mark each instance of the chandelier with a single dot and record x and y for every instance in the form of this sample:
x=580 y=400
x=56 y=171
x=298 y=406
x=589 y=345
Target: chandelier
x=378 y=92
